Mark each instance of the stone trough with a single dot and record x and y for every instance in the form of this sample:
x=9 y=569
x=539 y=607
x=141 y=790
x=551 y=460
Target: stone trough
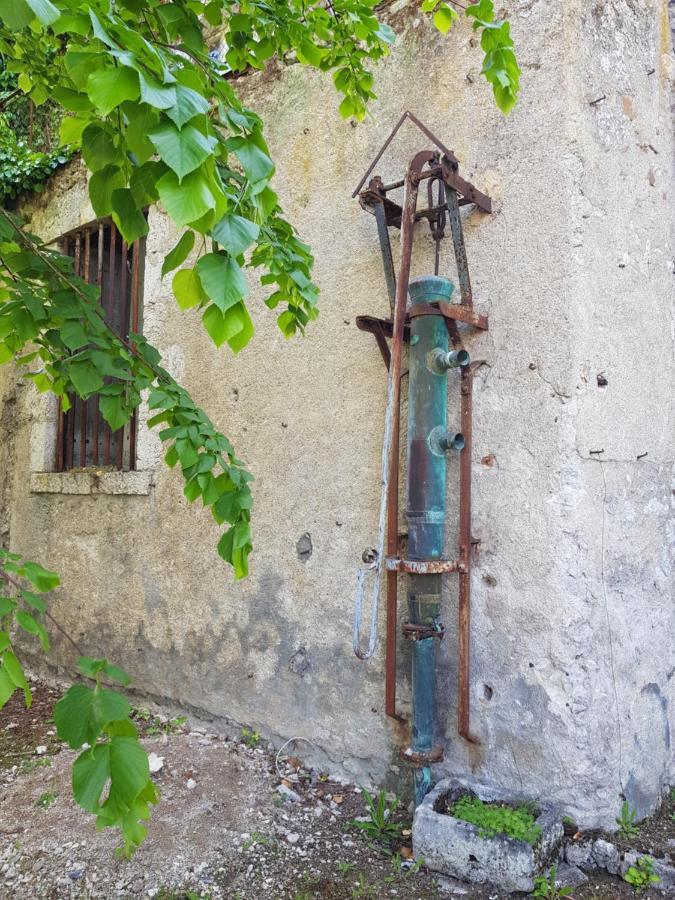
x=455 y=848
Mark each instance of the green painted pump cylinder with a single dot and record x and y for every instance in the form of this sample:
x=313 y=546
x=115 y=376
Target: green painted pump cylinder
x=427 y=410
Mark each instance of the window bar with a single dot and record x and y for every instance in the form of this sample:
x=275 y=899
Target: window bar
x=99 y=282
x=63 y=248
x=83 y=409
x=133 y=329
x=123 y=306
x=70 y=437
x=109 y=318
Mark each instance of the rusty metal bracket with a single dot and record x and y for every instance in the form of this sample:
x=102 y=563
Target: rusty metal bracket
x=418 y=758
x=421 y=632
x=425 y=566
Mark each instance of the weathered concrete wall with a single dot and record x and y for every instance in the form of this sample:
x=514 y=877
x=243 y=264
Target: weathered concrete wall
x=573 y=622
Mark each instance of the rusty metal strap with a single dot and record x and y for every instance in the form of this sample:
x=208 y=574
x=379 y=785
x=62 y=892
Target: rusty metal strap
x=450 y=311
x=416 y=632
x=424 y=566
x=421 y=757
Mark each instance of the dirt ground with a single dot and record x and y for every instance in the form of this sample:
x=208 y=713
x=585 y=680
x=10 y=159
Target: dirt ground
x=221 y=830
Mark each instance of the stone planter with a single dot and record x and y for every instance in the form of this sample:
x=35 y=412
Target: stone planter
x=456 y=848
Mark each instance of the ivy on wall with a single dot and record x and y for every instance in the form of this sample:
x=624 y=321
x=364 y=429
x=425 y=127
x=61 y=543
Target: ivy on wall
x=29 y=145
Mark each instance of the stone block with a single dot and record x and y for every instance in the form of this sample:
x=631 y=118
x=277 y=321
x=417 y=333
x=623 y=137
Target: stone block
x=580 y=853
x=456 y=848
x=45 y=482
x=569 y=876
x=131 y=483
x=75 y=482
x=606 y=856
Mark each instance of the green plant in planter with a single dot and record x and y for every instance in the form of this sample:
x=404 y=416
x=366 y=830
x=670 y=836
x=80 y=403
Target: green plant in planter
x=642 y=874
x=497 y=818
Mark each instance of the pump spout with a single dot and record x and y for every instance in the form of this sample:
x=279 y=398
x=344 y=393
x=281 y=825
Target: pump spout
x=441 y=360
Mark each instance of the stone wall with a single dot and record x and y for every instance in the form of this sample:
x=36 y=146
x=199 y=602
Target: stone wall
x=573 y=621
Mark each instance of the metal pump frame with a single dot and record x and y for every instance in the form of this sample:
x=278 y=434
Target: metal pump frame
x=439 y=166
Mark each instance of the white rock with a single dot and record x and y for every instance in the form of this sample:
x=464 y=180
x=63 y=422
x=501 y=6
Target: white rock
x=41 y=750
x=156 y=762
x=191 y=784
x=292 y=837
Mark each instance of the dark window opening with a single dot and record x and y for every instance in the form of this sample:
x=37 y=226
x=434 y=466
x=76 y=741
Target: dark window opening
x=101 y=257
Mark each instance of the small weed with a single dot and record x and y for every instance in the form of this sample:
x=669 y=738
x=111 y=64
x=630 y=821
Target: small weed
x=256 y=838
x=546 y=887
x=379 y=826
x=46 y=800
x=250 y=738
x=497 y=818
x=626 y=821
x=29 y=765
x=345 y=867
x=363 y=889
x=158 y=724
x=642 y=874
x=402 y=870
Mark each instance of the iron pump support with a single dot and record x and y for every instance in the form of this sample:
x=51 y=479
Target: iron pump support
x=430 y=324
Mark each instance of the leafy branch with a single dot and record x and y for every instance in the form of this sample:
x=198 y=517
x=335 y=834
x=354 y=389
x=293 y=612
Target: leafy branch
x=111 y=775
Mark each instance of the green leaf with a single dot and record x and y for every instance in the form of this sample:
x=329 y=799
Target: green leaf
x=187 y=200
x=98 y=147
x=143 y=182
x=85 y=377
x=34 y=601
x=235 y=234
x=444 y=17
x=70 y=130
x=223 y=279
x=7 y=687
x=255 y=162
x=161 y=96
x=6 y=606
x=101 y=187
x=239 y=314
x=41 y=578
x=91 y=771
x=187 y=288
x=16 y=14
x=129 y=769
x=127 y=216
x=188 y=105
x=12 y=667
x=179 y=254
x=81 y=714
x=110 y=87
x=114 y=411
x=182 y=150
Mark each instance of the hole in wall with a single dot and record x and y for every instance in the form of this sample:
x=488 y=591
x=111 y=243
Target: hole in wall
x=490 y=580
x=487 y=692
x=601 y=378
x=304 y=547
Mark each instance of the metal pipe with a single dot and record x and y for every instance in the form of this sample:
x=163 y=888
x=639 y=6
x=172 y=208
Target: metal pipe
x=427 y=410
x=394 y=387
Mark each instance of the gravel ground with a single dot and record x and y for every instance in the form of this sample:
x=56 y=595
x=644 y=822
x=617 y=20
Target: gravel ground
x=227 y=826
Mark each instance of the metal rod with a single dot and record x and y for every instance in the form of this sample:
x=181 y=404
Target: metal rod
x=134 y=328
x=464 y=600
x=110 y=318
x=83 y=414
x=387 y=258
x=407 y=234
x=99 y=282
x=460 y=249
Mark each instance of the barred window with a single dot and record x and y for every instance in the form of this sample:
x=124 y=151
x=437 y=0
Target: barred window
x=101 y=257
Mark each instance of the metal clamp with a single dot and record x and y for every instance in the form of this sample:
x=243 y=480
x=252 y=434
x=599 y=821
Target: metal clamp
x=421 y=632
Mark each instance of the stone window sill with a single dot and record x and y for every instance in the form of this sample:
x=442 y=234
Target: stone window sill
x=91 y=481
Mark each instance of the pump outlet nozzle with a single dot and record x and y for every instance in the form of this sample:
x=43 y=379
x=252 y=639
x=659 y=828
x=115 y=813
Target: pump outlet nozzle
x=440 y=360
x=441 y=440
